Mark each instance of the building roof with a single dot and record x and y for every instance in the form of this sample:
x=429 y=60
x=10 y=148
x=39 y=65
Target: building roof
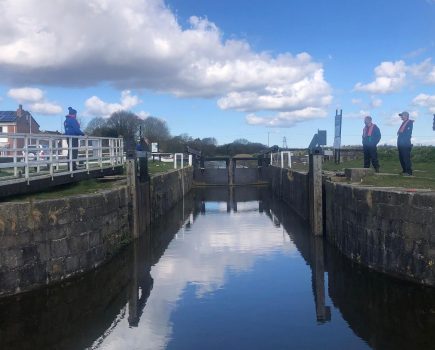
x=11 y=117
x=8 y=116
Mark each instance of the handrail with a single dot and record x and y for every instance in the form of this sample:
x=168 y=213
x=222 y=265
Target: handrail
x=31 y=155
x=275 y=157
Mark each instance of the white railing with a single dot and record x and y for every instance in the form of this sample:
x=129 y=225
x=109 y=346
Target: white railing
x=278 y=159
x=178 y=159
x=33 y=155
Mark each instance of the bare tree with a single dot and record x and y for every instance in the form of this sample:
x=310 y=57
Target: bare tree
x=125 y=123
x=96 y=126
x=210 y=141
x=155 y=129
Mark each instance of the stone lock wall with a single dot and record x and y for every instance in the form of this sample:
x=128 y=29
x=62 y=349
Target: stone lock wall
x=391 y=231
x=167 y=189
x=291 y=186
x=49 y=240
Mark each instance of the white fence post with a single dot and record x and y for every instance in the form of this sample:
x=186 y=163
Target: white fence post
x=14 y=143
x=175 y=160
x=26 y=159
x=289 y=157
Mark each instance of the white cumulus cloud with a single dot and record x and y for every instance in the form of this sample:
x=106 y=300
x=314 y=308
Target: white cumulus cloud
x=427 y=101
x=311 y=91
x=98 y=108
x=395 y=120
x=431 y=76
x=286 y=119
x=143 y=114
x=46 y=108
x=26 y=94
x=140 y=44
x=389 y=77
x=375 y=102
x=393 y=76
x=35 y=100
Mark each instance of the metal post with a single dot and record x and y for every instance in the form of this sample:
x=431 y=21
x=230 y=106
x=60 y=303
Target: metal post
x=26 y=159
x=87 y=153
x=37 y=157
x=143 y=166
x=231 y=171
x=175 y=160
x=132 y=188
x=56 y=147
x=14 y=145
x=202 y=165
x=50 y=148
x=289 y=159
x=315 y=186
x=70 y=164
x=100 y=154
x=111 y=150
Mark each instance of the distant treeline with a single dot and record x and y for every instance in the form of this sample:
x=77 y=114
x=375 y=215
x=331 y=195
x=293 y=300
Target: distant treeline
x=131 y=127
x=209 y=146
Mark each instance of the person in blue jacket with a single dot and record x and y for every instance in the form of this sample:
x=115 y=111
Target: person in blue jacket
x=370 y=139
x=404 y=145
x=72 y=128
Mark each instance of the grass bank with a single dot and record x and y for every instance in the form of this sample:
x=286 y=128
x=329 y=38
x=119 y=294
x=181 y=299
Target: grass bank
x=423 y=164
x=73 y=189
x=159 y=167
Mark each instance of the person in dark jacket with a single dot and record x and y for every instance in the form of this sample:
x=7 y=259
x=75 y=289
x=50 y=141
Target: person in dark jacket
x=143 y=145
x=404 y=145
x=72 y=128
x=370 y=139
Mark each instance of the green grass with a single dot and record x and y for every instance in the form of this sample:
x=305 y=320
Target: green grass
x=159 y=167
x=421 y=168
x=87 y=186
x=423 y=164
x=82 y=187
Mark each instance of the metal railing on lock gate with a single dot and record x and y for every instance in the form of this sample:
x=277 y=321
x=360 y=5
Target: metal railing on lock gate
x=34 y=155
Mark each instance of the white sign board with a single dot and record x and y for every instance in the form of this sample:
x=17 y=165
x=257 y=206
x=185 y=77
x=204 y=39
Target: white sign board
x=154 y=147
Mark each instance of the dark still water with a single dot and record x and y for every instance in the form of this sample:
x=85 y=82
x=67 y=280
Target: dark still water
x=224 y=270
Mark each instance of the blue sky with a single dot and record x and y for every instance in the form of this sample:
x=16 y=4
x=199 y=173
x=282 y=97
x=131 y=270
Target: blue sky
x=228 y=69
